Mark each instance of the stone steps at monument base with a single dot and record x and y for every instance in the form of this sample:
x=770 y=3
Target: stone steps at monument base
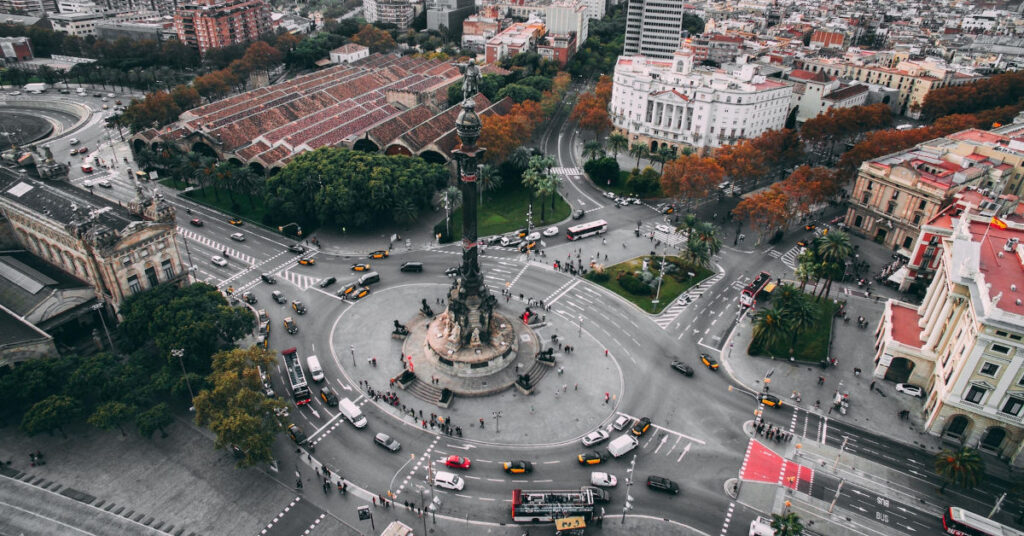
x=537 y=371
x=423 y=391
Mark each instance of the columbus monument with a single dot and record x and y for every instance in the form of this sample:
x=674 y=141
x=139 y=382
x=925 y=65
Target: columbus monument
x=468 y=347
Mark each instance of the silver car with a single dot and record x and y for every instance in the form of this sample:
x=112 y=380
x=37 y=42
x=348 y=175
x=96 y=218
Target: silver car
x=594 y=438
x=387 y=442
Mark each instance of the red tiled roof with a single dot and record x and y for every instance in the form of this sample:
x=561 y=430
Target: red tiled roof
x=904 y=325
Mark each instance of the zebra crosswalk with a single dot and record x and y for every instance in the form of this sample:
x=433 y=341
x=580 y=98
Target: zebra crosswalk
x=669 y=315
x=301 y=281
x=567 y=171
x=216 y=246
x=669 y=239
x=789 y=258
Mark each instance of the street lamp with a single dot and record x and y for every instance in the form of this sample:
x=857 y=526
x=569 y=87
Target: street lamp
x=580 y=334
x=179 y=353
x=629 y=483
x=99 y=309
x=497 y=421
x=352 y=349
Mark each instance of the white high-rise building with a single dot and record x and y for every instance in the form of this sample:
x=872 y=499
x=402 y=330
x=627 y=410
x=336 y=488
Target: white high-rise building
x=660 y=102
x=653 y=28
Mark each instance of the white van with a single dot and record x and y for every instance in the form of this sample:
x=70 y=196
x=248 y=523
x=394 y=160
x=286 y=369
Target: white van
x=315 y=371
x=621 y=445
x=446 y=480
x=352 y=413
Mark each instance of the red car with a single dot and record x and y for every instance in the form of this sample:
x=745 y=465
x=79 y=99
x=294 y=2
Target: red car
x=458 y=462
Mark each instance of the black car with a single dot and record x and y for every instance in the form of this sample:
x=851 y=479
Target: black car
x=452 y=272
x=658 y=483
x=248 y=297
x=297 y=248
x=411 y=267
x=600 y=495
x=578 y=213
x=277 y=296
x=268 y=278
x=641 y=426
x=683 y=368
x=328 y=396
x=328 y=282
x=295 y=432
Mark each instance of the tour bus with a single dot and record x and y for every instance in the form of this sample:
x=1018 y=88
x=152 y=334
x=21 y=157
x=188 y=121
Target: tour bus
x=960 y=522
x=586 y=229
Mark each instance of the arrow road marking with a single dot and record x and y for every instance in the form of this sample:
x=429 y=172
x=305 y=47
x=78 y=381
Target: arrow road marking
x=685 y=450
x=462 y=447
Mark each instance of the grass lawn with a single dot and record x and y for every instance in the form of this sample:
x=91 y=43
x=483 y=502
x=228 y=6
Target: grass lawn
x=246 y=207
x=174 y=183
x=504 y=210
x=811 y=346
x=671 y=287
x=622 y=190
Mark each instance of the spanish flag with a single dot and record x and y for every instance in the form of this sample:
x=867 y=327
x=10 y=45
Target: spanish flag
x=996 y=222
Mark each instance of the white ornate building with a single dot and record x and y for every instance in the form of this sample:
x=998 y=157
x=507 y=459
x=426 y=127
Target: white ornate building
x=660 y=102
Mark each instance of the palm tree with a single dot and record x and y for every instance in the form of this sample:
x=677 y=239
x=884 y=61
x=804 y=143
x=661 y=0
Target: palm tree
x=520 y=157
x=592 y=150
x=689 y=222
x=224 y=179
x=800 y=315
x=833 y=249
x=770 y=326
x=204 y=173
x=547 y=185
x=696 y=254
x=489 y=179
x=451 y=197
x=145 y=157
x=404 y=211
x=248 y=182
x=617 y=142
x=963 y=467
x=787 y=524
x=639 y=150
x=707 y=234
x=665 y=153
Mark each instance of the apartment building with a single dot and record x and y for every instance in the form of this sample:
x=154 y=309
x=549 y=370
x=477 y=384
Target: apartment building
x=84 y=24
x=477 y=29
x=817 y=93
x=964 y=343
x=448 y=13
x=671 y=103
x=397 y=12
x=718 y=48
x=561 y=17
x=654 y=28
x=518 y=38
x=210 y=24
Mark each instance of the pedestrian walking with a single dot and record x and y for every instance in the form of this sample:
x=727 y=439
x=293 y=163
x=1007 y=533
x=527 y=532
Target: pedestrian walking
x=374 y=499
x=576 y=387
x=606 y=397
x=481 y=422
x=871 y=387
x=560 y=370
x=606 y=352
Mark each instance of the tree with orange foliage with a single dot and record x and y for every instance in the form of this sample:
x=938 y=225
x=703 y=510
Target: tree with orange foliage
x=591 y=113
x=375 y=39
x=214 y=85
x=839 y=124
x=807 y=186
x=260 y=57
x=742 y=162
x=781 y=149
x=501 y=134
x=765 y=211
x=691 y=177
x=603 y=89
x=881 y=143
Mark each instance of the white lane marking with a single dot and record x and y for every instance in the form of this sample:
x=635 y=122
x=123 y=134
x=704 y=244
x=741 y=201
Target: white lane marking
x=685 y=450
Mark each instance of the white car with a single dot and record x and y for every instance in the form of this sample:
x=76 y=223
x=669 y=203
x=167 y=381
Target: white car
x=550 y=231
x=238 y=237
x=73 y=141
x=533 y=236
x=219 y=261
x=609 y=195
x=446 y=480
x=621 y=422
x=661 y=227
x=636 y=201
x=603 y=480
x=594 y=438
x=910 y=389
x=104 y=183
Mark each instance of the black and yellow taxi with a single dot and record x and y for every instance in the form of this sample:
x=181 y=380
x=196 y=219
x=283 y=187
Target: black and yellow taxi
x=235 y=221
x=641 y=426
x=298 y=307
x=249 y=297
x=592 y=457
x=328 y=396
x=771 y=401
x=361 y=267
x=709 y=361
x=379 y=254
x=295 y=432
x=307 y=261
x=359 y=293
x=290 y=325
x=517 y=467
x=348 y=289
x=527 y=246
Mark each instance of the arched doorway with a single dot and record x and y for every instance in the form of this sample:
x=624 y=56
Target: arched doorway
x=993 y=439
x=433 y=157
x=274 y=171
x=257 y=168
x=397 y=149
x=899 y=370
x=138 y=145
x=957 y=428
x=365 y=146
x=204 y=149
x=654 y=146
x=235 y=162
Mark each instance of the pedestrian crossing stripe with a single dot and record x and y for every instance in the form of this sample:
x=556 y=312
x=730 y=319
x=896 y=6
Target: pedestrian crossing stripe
x=789 y=258
x=567 y=170
x=216 y=246
x=299 y=280
x=774 y=253
x=669 y=315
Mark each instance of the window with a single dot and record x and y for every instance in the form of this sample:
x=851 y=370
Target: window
x=866 y=199
x=133 y=284
x=908 y=241
x=1000 y=349
x=989 y=369
x=168 y=270
x=921 y=205
x=871 y=185
x=896 y=194
x=917 y=218
x=858 y=221
x=975 y=395
x=891 y=208
x=1013 y=406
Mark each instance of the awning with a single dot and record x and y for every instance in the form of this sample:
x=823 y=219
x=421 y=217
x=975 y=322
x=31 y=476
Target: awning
x=899 y=275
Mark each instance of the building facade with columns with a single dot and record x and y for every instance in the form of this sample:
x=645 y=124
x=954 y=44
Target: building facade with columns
x=672 y=103
x=965 y=343
x=118 y=251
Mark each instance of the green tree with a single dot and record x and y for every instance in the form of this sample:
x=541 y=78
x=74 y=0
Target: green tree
x=833 y=249
x=112 y=414
x=235 y=408
x=489 y=179
x=616 y=143
x=592 y=150
x=405 y=211
x=519 y=158
x=706 y=234
x=639 y=150
x=52 y=412
x=662 y=155
x=769 y=326
x=696 y=253
x=963 y=467
x=155 y=418
x=450 y=199
x=800 y=314
x=787 y=524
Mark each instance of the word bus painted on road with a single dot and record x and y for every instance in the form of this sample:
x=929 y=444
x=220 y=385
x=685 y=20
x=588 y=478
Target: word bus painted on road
x=300 y=392
x=960 y=522
x=584 y=230
x=749 y=294
x=546 y=506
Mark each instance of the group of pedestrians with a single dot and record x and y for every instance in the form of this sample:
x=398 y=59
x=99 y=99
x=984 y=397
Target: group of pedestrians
x=772 y=432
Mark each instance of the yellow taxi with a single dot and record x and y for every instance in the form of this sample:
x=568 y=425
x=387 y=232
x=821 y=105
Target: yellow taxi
x=709 y=361
x=591 y=458
x=234 y=221
x=379 y=254
x=361 y=293
x=361 y=267
x=517 y=467
x=307 y=262
x=348 y=289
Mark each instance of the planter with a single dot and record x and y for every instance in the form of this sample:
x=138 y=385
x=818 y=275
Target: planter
x=447 y=397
